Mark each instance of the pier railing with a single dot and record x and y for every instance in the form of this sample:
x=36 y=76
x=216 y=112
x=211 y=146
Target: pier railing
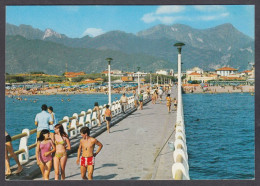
x=72 y=125
x=180 y=168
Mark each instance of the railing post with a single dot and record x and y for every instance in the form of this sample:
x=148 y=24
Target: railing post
x=73 y=124
x=65 y=124
x=94 y=119
x=24 y=157
x=88 y=118
x=81 y=120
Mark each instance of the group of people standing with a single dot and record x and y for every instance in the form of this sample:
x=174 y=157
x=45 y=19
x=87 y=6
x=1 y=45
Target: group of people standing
x=138 y=99
x=52 y=144
x=158 y=93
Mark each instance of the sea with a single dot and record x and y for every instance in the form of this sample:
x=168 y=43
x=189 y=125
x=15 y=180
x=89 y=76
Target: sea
x=220 y=128
x=20 y=115
x=220 y=135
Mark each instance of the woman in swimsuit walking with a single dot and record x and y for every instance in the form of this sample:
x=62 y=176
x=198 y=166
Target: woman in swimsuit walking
x=62 y=143
x=96 y=108
x=44 y=150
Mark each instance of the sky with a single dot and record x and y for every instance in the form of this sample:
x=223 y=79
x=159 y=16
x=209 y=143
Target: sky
x=94 y=20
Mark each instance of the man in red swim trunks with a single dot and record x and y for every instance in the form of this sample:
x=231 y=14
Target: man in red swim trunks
x=86 y=146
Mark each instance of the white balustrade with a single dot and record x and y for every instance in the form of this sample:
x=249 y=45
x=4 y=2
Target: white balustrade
x=24 y=157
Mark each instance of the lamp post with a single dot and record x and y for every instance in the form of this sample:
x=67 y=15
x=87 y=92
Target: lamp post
x=150 y=78
x=157 y=80
x=109 y=81
x=179 y=106
x=138 y=68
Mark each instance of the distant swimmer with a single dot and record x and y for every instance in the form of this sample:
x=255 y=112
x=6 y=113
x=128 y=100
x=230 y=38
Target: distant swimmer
x=62 y=100
x=35 y=101
x=68 y=99
x=197 y=120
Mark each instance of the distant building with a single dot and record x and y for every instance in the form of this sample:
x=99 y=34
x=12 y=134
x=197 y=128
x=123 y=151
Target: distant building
x=195 y=69
x=127 y=79
x=73 y=74
x=162 y=72
x=171 y=72
x=141 y=74
x=226 y=71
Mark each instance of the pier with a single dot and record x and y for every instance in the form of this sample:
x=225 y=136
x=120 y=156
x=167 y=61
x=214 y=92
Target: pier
x=136 y=149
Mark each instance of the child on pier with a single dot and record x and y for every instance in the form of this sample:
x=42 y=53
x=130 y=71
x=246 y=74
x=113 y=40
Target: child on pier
x=108 y=116
x=86 y=146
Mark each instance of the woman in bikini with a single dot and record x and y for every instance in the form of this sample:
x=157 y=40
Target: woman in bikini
x=168 y=102
x=62 y=143
x=44 y=150
x=96 y=108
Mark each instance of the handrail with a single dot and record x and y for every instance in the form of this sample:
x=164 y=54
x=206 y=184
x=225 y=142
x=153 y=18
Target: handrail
x=180 y=167
x=24 y=148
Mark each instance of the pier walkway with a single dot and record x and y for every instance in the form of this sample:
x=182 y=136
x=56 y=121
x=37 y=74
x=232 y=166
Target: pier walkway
x=129 y=151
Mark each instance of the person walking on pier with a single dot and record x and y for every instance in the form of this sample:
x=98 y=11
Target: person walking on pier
x=51 y=125
x=175 y=103
x=43 y=120
x=160 y=92
x=62 y=144
x=9 y=149
x=168 y=102
x=96 y=108
x=123 y=101
x=135 y=99
x=86 y=147
x=108 y=117
x=141 y=99
x=44 y=150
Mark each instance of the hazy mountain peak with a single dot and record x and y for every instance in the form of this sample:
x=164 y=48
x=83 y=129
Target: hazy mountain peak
x=49 y=33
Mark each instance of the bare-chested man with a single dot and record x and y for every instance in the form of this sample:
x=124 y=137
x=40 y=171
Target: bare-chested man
x=87 y=160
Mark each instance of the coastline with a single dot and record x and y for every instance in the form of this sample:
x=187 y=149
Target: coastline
x=218 y=89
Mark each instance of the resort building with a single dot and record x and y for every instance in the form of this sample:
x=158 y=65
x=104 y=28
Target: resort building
x=226 y=71
x=196 y=70
x=162 y=72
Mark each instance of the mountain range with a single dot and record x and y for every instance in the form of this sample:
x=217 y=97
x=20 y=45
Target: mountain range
x=30 y=49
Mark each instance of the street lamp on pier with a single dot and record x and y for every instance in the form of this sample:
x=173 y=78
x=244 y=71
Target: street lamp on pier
x=138 y=68
x=109 y=81
x=179 y=106
x=150 y=78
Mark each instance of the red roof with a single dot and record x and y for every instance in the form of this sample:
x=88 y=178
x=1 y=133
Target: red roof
x=194 y=73
x=247 y=71
x=226 y=69
x=106 y=72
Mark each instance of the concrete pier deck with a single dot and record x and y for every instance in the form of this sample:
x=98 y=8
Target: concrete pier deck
x=129 y=151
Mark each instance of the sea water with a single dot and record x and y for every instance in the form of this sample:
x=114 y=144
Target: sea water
x=220 y=135
x=20 y=115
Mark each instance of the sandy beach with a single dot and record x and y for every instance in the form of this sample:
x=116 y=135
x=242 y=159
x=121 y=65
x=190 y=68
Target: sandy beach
x=219 y=89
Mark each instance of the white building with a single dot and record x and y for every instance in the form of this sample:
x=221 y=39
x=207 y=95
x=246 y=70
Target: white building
x=196 y=70
x=162 y=72
x=226 y=71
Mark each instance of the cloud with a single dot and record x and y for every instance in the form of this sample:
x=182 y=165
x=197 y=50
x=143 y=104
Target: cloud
x=151 y=17
x=169 y=9
x=168 y=14
x=209 y=8
x=93 y=32
x=213 y=17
